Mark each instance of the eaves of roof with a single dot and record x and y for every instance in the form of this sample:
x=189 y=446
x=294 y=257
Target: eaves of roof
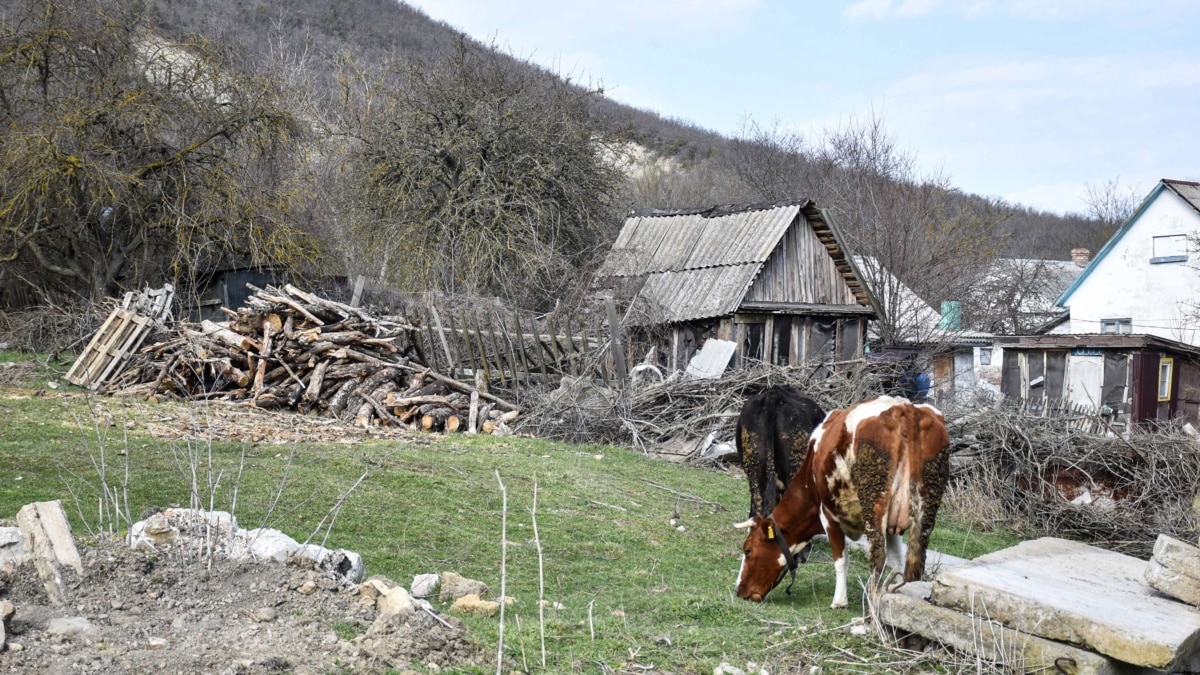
x=1111 y=243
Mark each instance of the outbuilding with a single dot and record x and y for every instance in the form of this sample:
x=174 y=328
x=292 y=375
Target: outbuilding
x=773 y=279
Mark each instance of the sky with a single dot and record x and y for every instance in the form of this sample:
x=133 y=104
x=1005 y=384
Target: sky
x=1027 y=100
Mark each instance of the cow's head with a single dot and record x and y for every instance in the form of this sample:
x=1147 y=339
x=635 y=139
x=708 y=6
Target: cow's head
x=766 y=557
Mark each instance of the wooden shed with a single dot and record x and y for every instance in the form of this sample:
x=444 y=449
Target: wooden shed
x=1133 y=378
x=775 y=279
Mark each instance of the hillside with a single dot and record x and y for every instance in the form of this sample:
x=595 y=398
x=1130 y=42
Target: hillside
x=376 y=31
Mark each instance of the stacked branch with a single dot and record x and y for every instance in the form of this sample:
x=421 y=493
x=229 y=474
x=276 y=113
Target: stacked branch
x=683 y=409
x=1045 y=475
x=289 y=349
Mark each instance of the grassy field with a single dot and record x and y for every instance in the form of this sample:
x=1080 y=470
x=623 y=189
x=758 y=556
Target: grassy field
x=635 y=590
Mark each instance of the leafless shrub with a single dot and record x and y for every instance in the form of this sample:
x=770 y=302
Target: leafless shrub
x=52 y=327
x=1112 y=490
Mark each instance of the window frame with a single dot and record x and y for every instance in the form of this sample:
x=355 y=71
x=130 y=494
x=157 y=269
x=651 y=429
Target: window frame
x=1173 y=256
x=1166 y=365
x=1122 y=323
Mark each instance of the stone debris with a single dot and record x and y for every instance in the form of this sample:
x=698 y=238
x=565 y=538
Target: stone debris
x=425 y=585
x=46 y=534
x=455 y=586
x=72 y=628
x=1049 y=602
x=182 y=603
x=6 y=614
x=218 y=531
x=12 y=548
x=472 y=605
x=1174 y=569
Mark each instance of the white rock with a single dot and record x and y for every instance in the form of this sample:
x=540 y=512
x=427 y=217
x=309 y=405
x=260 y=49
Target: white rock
x=425 y=585
x=74 y=627
x=267 y=544
x=346 y=564
x=728 y=669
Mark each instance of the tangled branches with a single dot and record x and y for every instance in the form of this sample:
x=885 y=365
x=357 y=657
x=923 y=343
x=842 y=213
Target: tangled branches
x=1044 y=475
x=680 y=409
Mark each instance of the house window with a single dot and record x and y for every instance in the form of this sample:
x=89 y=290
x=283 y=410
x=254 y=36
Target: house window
x=985 y=356
x=1165 y=366
x=1115 y=326
x=1170 y=249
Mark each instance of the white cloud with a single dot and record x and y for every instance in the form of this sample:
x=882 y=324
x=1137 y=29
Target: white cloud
x=1018 y=9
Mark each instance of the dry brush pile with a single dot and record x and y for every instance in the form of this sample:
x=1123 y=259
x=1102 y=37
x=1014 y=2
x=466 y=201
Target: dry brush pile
x=1045 y=476
x=682 y=409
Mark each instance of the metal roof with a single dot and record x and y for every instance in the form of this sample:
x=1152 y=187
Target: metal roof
x=699 y=263
x=662 y=243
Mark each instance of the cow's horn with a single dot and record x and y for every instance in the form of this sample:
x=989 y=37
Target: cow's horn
x=744 y=525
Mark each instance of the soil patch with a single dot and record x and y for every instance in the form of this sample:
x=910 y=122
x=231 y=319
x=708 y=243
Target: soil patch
x=170 y=611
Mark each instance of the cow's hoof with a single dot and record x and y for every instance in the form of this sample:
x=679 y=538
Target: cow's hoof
x=839 y=605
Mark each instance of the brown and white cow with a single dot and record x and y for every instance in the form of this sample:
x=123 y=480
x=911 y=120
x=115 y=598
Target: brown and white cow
x=878 y=468
x=773 y=430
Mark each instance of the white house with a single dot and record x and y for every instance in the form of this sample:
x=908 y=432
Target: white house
x=1128 y=343
x=1145 y=279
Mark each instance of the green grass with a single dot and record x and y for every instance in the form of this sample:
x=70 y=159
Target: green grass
x=647 y=592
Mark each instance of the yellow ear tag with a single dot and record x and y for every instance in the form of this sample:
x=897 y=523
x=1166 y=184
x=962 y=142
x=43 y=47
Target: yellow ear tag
x=770 y=532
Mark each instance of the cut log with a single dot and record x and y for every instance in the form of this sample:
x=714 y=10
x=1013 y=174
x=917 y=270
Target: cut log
x=228 y=337
x=452 y=424
x=435 y=420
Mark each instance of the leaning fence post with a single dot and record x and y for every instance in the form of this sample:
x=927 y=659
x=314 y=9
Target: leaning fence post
x=615 y=331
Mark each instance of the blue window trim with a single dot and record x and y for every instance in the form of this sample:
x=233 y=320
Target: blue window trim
x=1168 y=259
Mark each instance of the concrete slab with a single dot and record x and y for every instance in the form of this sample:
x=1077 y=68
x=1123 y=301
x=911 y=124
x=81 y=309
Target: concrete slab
x=1178 y=556
x=909 y=610
x=1169 y=582
x=1071 y=592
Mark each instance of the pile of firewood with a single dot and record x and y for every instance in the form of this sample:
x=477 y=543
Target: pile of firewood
x=288 y=349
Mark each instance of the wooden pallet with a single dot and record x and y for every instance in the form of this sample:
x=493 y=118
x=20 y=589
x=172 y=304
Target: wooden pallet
x=111 y=346
x=120 y=336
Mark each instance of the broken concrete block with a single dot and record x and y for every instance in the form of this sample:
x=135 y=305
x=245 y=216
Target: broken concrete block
x=471 y=605
x=47 y=536
x=909 y=610
x=1172 y=583
x=1177 y=556
x=1071 y=592
x=12 y=548
x=455 y=586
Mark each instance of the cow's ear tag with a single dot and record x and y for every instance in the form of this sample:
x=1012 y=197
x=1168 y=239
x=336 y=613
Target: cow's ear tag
x=770 y=532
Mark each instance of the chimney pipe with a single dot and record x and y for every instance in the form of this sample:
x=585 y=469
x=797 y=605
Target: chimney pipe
x=1081 y=256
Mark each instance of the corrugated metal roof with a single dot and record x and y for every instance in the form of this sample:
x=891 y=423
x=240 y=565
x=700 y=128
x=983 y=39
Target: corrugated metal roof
x=1188 y=190
x=699 y=263
x=654 y=243
x=697 y=294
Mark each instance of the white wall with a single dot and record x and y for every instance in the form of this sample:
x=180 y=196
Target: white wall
x=1123 y=284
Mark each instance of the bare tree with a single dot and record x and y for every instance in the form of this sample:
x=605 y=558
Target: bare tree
x=1016 y=295
x=125 y=159
x=907 y=221
x=478 y=177
x=1112 y=203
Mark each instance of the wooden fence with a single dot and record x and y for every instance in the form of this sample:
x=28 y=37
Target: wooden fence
x=511 y=348
x=1077 y=416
